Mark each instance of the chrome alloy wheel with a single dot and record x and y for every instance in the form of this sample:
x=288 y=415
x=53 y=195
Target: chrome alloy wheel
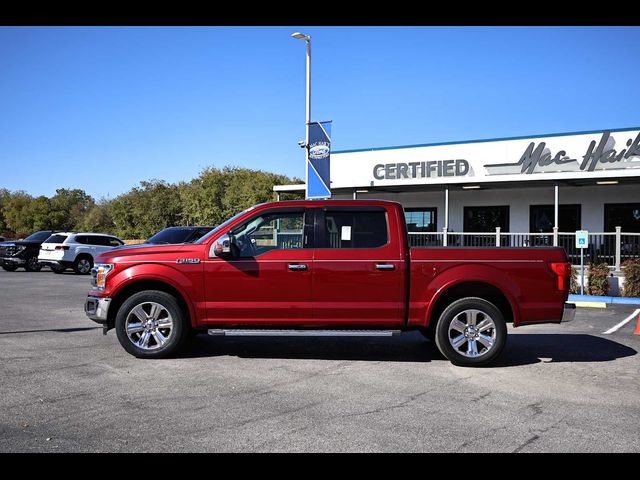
x=472 y=333
x=149 y=325
x=84 y=265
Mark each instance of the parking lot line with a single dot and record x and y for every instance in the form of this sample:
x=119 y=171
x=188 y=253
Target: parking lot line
x=624 y=322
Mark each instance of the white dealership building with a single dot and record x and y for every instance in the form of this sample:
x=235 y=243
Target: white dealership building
x=521 y=191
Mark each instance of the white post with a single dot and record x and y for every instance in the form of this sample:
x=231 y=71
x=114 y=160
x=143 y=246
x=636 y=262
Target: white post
x=497 y=236
x=355 y=195
x=446 y=208
x=555 y=236
x=555 y=206
x=446 y=217
x=618 y=248
x=277 y=196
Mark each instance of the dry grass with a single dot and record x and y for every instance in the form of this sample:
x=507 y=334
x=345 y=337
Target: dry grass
x=133 y=242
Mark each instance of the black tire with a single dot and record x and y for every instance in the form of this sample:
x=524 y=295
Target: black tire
x=9 y=268
x=463 y=309
x=175 y=336
x=32 y=264
x=81 y=263
x=55 y=269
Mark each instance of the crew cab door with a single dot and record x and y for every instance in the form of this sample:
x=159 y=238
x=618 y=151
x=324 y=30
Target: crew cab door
x=269 y=283
x=359 y=275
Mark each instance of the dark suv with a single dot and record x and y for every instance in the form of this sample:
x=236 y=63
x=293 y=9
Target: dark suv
x=23 y=253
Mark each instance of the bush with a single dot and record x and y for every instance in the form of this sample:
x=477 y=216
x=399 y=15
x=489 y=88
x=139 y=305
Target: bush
x=575 y=286
x=598 y=279
x=631 y=270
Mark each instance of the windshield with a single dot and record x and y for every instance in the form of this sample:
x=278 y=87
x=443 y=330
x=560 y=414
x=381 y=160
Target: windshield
x=38 y=237
x=224 y=224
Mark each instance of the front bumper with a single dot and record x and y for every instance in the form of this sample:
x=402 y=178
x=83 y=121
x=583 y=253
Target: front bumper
x=568 y=313
x=97 y=308
x=12 y=261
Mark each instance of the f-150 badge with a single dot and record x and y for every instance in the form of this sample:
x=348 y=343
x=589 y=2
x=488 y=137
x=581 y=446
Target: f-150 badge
x=188 y=260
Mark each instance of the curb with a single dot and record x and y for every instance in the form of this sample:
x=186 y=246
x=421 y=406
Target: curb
x=579 y=300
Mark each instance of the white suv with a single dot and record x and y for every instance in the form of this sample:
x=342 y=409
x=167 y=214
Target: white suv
x=75 y=250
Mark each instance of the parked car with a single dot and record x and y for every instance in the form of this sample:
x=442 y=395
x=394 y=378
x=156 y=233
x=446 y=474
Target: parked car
x=75 y=250
x=2 y=239
x=175 y=235
x=23 y=253
x=328 y=267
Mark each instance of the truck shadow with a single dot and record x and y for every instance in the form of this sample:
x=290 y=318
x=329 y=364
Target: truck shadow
x=521 y=349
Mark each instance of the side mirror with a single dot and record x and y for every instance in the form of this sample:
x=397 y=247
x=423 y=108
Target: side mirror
x=222 y=247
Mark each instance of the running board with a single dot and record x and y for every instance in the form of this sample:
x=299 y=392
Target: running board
x=231 y=332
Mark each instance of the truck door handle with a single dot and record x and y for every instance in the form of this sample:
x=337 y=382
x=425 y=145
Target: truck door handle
x=385 y=266
x=297 y=266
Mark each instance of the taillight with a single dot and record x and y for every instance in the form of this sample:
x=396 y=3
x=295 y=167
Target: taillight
x=563 y=270
x=62 y=247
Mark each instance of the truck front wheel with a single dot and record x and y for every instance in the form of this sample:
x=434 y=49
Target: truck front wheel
x=471 y=332
x=150 y=324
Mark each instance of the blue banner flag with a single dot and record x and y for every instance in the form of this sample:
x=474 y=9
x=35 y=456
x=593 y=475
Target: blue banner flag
x=318 y=157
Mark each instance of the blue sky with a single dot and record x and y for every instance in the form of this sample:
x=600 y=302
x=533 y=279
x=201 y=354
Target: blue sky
x=102 y=108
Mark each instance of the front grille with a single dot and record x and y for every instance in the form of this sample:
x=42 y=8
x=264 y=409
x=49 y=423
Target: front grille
x=8 y=251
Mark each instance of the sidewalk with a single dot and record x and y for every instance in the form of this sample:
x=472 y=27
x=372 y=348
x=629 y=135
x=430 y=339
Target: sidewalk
x=580 y=300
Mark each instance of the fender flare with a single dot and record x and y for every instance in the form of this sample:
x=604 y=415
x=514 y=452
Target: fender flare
x=159 y=273
x=461 y=274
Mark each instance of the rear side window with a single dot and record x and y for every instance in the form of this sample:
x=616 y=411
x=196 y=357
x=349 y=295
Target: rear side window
x=56 y=239
x=353 y=229
x=82 y=239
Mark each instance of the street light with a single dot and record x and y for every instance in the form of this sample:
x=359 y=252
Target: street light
x=307 y=39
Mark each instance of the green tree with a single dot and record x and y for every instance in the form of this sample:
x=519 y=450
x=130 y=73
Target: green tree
x=218 y=194
x=68 y=208
x=144 y=210
x=4 y=196
x=14 y=209
x=98 y=219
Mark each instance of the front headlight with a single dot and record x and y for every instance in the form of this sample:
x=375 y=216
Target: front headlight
x=99 y=274
x=19 y=248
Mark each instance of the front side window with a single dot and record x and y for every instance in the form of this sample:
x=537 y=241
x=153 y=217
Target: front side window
x=353 y=229
x=114 y=242
x=270 y=231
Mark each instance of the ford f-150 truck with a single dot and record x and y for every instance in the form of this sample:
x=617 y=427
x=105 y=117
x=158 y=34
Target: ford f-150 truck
x=326 y=267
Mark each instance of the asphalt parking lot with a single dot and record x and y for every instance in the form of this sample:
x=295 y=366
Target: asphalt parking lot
x=67 y=388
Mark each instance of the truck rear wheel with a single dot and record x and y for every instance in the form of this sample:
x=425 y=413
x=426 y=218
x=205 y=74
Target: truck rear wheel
x=471 y=332
x=150 y=324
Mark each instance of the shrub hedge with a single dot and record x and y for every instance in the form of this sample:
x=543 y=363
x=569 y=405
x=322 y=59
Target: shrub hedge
x=598 y=279
x=631 y=270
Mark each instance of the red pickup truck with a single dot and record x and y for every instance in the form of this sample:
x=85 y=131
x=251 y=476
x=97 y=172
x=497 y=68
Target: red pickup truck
x=326 y=267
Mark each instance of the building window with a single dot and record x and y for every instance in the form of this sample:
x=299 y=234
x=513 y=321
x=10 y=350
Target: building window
x=625 y=215
x=541 y=218
x=486 y=219
x=420 y=219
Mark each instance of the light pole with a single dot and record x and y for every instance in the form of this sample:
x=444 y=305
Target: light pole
x=307 y=39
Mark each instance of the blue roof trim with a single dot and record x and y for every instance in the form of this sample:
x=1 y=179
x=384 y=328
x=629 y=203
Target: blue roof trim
x=484 y=140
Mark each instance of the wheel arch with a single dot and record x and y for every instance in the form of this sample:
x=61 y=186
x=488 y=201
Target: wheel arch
x=472 y=288
x=140 y=285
